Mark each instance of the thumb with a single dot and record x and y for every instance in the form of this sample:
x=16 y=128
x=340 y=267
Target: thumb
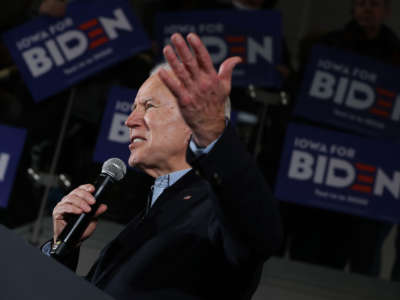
x=226 y=68
x=102 y=209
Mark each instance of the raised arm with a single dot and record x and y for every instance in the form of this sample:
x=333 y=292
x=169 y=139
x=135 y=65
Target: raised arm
x=244 y=203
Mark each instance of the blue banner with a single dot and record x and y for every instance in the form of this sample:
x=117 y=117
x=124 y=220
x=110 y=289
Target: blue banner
x=113 y=140
x=10 y=152
x=340 y=172
x=351 y=92
x=55 y=53
x=255 y=36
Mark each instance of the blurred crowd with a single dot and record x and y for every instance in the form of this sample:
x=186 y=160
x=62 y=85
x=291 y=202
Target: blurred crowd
x=313 y=235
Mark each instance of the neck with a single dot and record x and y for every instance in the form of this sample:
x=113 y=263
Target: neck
x=157 y=172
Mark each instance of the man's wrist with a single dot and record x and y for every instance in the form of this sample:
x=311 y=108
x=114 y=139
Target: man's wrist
x=207 y=134
x=199 y=150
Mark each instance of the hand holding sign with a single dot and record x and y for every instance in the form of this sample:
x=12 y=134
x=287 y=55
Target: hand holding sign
x=200 y=91
x=55 y=53
x=54 y=8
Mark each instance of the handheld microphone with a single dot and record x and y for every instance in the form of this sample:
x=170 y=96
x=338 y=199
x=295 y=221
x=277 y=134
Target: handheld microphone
x=112 y=170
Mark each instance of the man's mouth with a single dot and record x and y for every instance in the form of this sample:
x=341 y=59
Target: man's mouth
x=136 y=140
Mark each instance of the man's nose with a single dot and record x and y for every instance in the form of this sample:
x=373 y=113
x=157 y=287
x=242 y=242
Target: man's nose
x=134 y=119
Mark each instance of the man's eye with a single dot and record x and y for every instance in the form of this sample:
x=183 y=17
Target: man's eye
x=148 y=105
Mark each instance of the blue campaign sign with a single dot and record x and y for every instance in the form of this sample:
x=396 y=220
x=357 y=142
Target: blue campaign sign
x=113 y=139
x=10 y=152
x=351 y=92
x=55 y=53
x=255 y=36
x=340 y=172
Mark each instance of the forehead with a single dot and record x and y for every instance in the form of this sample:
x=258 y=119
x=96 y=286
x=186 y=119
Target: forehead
x=154 y=89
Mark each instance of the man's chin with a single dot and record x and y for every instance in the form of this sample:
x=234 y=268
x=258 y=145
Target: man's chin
x=135 y=162
x=132 y=162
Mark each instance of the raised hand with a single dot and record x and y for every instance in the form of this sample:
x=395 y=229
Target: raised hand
x=201 y=91
x=53 y=8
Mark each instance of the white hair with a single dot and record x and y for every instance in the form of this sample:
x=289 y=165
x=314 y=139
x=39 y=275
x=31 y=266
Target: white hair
x=166 y=66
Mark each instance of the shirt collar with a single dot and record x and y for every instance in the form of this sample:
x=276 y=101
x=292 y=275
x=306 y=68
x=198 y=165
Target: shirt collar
x=165 y=181
x=169 y=179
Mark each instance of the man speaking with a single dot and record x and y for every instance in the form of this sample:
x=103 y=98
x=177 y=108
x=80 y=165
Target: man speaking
x=211 y=220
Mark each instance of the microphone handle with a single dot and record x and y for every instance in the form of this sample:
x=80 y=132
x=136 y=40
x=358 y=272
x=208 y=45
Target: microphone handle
x=72 y=232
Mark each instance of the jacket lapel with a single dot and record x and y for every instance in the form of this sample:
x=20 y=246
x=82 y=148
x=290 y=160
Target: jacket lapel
x=173 y=202
x=111 y=248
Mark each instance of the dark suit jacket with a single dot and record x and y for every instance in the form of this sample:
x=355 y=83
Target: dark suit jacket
x=206 y=237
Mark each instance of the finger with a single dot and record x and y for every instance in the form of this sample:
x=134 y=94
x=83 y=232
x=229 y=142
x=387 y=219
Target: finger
x=87 y=187
x=203 y=57
x=83 y=194
x=78 y=202
x=66 y=208
x=101 y=210
x=185 y=54
x=177 y=67
x=226 y=68
x=175 y=87
x=89 y=230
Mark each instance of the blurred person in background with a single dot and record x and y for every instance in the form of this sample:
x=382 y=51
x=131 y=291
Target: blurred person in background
x=331 y=238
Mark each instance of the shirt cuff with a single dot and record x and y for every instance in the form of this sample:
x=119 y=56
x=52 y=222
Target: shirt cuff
x=197 y=151
x=46 y=248
x=201 y=151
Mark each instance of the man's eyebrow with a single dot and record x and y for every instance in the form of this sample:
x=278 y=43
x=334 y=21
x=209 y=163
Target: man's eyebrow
x=143 y=102
x=147 y=100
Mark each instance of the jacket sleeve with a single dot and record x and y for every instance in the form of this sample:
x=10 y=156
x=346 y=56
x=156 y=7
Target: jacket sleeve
x=244 y=204
x=70 y=261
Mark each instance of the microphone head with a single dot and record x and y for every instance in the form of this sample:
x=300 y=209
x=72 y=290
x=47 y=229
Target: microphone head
x=115 y=168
